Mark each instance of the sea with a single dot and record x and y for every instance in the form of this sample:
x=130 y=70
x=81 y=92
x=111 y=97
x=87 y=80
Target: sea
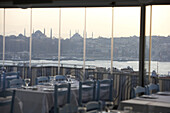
x=159 y=67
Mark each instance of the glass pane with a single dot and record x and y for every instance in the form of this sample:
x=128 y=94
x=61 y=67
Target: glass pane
x=160 y=45
x=72 y=26
x=126 y=41
x=45 y=36
x=98 y=42
x=17 y=33
x=1 y=34
x=147 y=41
x=161 y=40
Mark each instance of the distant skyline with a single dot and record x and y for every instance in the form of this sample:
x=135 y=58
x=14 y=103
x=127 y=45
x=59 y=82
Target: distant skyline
x=126 y=21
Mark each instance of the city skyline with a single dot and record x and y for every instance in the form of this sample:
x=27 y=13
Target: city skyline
x=125 y=48
x=126 y=21
x=70 y=34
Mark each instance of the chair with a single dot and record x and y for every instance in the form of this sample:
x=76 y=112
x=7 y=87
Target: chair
x=152 y=87
x=16 y=83
x=7 y=101
x=7 y=77
x=105 y=85
x=90 y=105
x=60 y=78
x=41 y=80
x=138 y=90
x=68 y=108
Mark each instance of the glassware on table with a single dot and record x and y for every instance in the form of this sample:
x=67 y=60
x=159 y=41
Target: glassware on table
x=107 y=109
x=52 y=80
x=69 y=79
x=128 y=109
x=27 y=81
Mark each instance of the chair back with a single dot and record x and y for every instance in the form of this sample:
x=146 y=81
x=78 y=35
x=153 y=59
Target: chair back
x=41 y=80
x=105 y=85
x=152 y=87
x=16 y=83
x=12 y=75
x=138 y=90
x=90 y=105
x=87 y=86
x=8 y=101
x=9 y=76
x=57 y=93
x=60 y=78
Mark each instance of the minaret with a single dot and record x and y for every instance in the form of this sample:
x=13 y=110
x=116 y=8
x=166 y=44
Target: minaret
x=24 y=32
x=51 y=35
x=44 y=31
x=70 y=33
x=33 y=31
x=92 y=35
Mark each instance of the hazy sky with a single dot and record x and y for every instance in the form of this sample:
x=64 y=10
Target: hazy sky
x=126 y=21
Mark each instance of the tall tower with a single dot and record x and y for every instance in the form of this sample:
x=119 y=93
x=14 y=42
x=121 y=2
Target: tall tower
x=92 y=35
x=33 y=31
x=44 y=31
x=70 y=33
x=51 y=35
x=24 y=32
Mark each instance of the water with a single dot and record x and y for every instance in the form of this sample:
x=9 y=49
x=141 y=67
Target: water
x=160 y=67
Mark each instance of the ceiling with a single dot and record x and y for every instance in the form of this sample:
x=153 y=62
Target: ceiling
x=78 y=3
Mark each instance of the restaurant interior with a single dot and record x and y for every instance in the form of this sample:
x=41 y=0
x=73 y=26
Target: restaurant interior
x=28 y=88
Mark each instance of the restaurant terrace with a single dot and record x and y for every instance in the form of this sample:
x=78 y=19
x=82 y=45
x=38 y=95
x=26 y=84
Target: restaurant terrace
x=54 y=86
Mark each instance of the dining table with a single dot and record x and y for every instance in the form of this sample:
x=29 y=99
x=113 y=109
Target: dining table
x=40 y=98
x=154 y=103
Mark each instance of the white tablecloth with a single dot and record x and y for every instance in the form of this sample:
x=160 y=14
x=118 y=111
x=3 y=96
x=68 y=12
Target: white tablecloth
x=17 y=106
x=156 y=104
x=40 y=101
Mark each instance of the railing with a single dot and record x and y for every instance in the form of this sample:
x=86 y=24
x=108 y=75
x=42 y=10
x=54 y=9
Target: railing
x=164 y=84
x=42 y=64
